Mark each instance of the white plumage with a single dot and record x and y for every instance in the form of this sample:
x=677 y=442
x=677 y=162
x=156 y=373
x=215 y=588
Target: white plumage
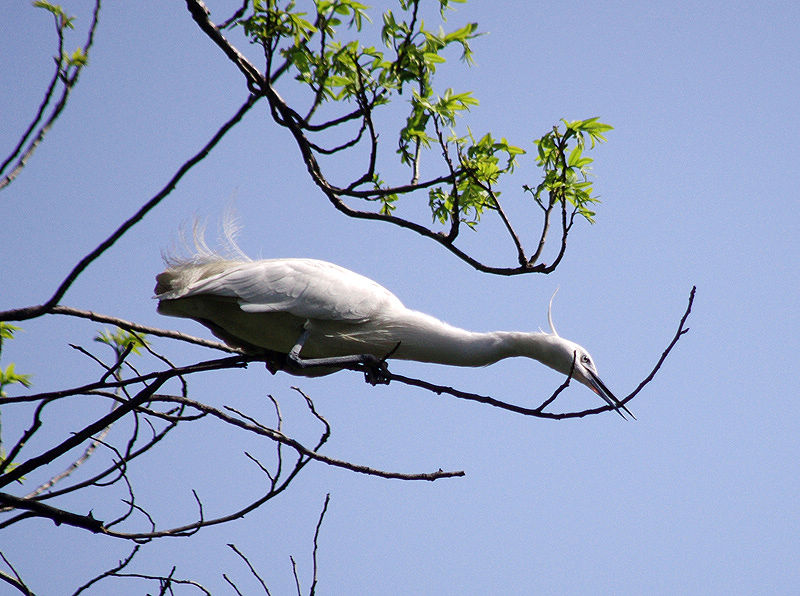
x=326 y=311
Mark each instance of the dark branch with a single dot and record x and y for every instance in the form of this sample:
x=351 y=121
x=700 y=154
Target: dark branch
x=110 y=572
x=69 y=80
x=93 y=428
x=59 y=516
x=251 y=568
x=31 y=312
x=313 y=589
x=135 y=327
x=200 y=14
x=305 y=451
x=682 y=329
x=15 y=581
x=285 y=116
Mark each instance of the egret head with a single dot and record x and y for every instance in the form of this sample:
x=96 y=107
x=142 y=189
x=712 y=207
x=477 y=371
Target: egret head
x=569 y=358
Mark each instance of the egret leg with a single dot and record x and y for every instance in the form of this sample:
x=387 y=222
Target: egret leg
x=294 y=353
x=374 y=368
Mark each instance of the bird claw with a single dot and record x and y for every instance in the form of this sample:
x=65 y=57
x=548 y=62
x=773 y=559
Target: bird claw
x=376 y=372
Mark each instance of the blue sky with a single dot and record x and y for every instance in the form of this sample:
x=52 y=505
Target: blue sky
x=698 y=496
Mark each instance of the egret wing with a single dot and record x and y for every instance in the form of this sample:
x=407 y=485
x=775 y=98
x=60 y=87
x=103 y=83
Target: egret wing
x=306 y=288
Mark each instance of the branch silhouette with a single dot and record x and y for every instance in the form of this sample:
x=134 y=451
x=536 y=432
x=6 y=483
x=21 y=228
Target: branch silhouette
x=30 y=312
x=66 y=73
x=262 y=84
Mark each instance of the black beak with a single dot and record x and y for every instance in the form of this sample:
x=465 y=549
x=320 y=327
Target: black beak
x=601 y=390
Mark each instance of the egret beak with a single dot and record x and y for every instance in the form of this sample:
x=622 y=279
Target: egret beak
x=600 y=389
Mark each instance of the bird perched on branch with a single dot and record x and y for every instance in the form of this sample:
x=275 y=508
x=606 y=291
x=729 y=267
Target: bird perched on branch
x=324 y=317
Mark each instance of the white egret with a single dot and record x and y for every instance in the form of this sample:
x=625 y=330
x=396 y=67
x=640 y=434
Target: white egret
x=315 y=311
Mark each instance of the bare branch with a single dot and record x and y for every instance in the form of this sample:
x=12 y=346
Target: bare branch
x=110 y=572
x=251 y=568
x=563 y=386
x=301 y=449
x=93 y=428
x=30 y=312
x=59 y=516
x=313 y=589
x=15 y=581
x=165 y=582
x=133 y=327
x=236 y=15
x=200 y=14
x=207 y=365
x=68 y=76
x=69 y=469
x=296 y=578
x=327 y=433
x=682 y=329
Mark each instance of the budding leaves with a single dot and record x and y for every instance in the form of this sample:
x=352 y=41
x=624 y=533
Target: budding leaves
x=566 y=169
x=323 y=49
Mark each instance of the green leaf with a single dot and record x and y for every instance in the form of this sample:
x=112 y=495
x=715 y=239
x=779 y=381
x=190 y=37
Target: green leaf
x=77 y=58
x=62 y=20
x=121 y=339
x=8 y=376
x=575 y=155
x=7 y=330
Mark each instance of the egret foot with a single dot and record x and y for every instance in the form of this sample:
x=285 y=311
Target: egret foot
x=376 y=371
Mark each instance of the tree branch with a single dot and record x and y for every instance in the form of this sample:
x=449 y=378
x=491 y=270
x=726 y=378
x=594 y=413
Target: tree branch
x=59 y=516
x=15 y=581
x=93 y=428
x=69 y=80
x=305 y=451
x=200 y=14
x=313 y=589
x=130 y=326
x=30 y=312
x=109 y=572
x=285 y=116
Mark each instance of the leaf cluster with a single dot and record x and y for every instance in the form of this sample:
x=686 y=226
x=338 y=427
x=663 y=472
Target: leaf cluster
x=481 y=164
x=122 y=341
x=8 y=375
x=566 y=168
x=316 y=50
x=322 y=46
x=68 y=62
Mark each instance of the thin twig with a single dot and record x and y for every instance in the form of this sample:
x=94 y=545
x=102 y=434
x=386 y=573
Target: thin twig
x=109 y=572
x=15 y=581
x=682 y=329
x=251 y=568
x=313 y=589
x=136 y=327
x=20 y=314
x=287 y=117
x=69 y=80
x=296 y=579
x=165 y=581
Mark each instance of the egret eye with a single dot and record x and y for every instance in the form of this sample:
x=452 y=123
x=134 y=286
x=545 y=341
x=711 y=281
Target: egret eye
x=585 y=359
